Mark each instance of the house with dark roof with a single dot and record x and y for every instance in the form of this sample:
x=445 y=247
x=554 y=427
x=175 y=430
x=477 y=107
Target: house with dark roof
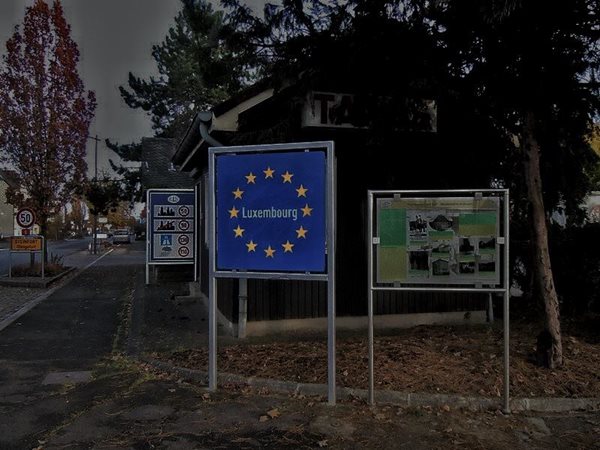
x=157 y=170
x=264 y=114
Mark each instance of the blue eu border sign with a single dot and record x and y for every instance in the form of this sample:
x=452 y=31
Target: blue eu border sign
x=271 y=216
x=271 y=212
x=170 y=227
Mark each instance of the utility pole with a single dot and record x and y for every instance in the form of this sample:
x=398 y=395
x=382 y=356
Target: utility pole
x=95 y=181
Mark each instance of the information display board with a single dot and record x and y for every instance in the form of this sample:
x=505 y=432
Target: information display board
x=447 y=240
x=171 y=225
x=439 y=241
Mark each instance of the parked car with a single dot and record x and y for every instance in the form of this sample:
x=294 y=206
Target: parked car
x=121 y=237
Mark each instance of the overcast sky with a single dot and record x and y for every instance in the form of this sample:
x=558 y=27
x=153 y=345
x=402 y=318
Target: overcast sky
x=114 y=37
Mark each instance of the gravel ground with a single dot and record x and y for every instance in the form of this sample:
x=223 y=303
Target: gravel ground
x=14 y=298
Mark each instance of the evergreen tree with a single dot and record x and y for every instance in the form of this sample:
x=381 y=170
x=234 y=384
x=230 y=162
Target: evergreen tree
x=196 y=69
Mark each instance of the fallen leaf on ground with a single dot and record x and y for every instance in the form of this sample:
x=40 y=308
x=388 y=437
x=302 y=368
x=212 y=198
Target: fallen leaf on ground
x=273 y=413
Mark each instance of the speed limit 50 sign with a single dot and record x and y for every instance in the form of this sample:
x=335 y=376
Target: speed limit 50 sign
x=25 y=217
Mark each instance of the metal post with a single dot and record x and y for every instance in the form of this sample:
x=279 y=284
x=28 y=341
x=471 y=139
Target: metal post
x=490 y=309
x=95 y=237
x=212 y=334
x=243 y=307
x=96 y=158
x=370 y=299
x=96 y=139
x=212 y=280
x=331 y=276
x=43 y=256
x=148 y=246
x=506 y=303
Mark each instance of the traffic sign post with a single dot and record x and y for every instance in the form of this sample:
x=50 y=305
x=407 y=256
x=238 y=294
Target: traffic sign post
x=272 y=216
x=170 y=236
x=25 y=217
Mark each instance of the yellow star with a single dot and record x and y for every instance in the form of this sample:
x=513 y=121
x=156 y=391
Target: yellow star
x=237 y=194
x=306 y=210
x=269 y=172
x=251 y=177
x=287 y=247
x=251 y=246
x=233 y=212
x=287 y=177
x=239 y=231
x=301 y=232
x=269 y=252
x=301 y=191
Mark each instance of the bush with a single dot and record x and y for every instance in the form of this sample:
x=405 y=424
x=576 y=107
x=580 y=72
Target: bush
x=53 y=267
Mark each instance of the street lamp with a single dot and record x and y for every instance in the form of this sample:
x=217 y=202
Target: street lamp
x=95 y=138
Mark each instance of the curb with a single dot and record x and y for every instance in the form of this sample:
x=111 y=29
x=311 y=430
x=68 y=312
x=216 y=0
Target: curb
x=40 y=298
x=405 y=399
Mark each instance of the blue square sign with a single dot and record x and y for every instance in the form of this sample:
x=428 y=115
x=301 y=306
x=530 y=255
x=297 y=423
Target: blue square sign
x=271 y=211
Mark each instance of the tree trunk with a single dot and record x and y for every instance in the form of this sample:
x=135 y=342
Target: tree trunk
x=542 y=269
x=43 y=223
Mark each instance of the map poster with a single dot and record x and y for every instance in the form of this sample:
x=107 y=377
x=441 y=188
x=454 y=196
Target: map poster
x=171 y=217
x=451 y=240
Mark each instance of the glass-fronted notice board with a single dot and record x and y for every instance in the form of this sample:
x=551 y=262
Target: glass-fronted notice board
x=452 y=240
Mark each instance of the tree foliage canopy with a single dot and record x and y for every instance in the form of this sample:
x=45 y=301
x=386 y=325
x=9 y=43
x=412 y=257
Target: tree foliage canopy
x=45 y=112
x=514 y=80
x=196 y=67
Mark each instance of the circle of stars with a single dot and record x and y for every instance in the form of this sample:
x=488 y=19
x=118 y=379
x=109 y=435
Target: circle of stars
x=238 y=194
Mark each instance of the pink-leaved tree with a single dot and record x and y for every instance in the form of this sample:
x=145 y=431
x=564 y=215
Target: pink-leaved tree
x=45 y=112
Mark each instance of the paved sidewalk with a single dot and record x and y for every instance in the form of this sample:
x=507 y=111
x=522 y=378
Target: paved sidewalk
x=13 y=299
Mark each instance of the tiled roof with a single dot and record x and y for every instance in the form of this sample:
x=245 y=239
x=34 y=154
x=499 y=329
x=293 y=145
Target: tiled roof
x=157 y=169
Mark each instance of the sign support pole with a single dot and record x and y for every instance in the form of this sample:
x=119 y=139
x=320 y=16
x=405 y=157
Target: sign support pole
x=331 y=310
x=371 y=398
x=506 y=304
x=43 y=261
x=212 y=286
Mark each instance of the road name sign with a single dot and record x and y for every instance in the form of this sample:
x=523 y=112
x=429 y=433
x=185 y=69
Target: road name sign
x=25 y=244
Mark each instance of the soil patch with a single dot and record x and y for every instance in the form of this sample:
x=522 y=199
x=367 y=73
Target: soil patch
x=430 y=359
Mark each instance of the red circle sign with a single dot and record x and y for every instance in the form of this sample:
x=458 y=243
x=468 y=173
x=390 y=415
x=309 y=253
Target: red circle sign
x=25 y=217
x=183 y=251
